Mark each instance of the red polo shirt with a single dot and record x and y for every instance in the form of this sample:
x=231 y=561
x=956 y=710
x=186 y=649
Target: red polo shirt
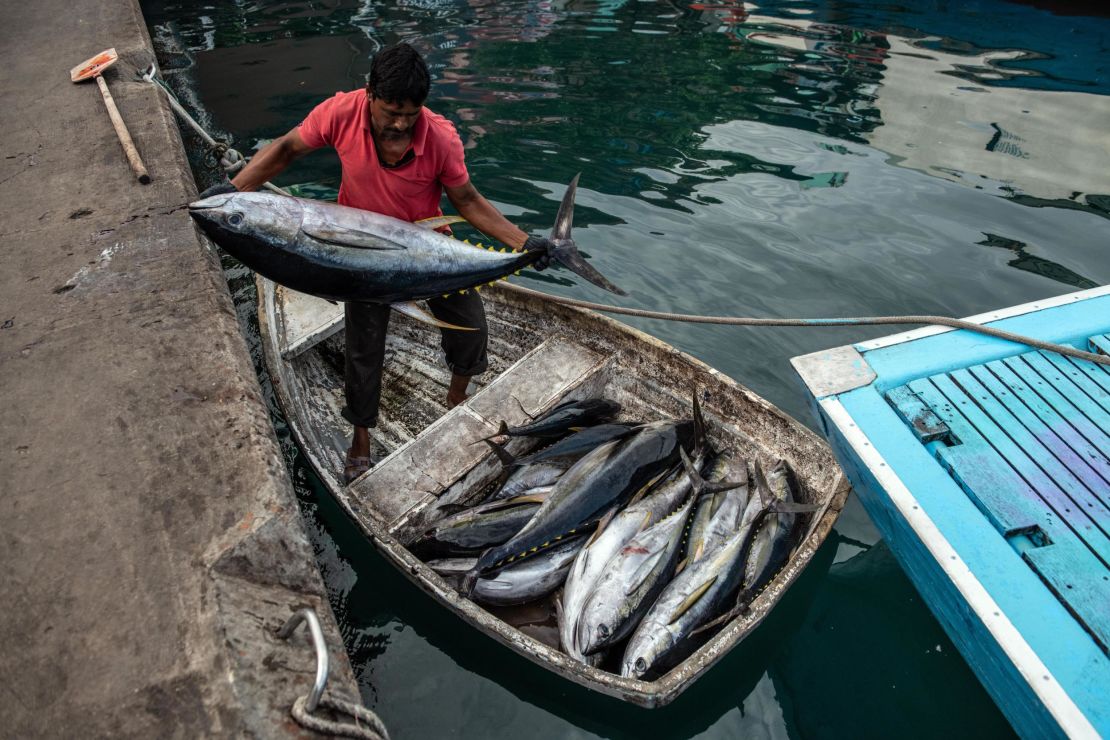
x=411 y=191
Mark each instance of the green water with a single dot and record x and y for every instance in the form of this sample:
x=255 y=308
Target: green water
x=795 y=159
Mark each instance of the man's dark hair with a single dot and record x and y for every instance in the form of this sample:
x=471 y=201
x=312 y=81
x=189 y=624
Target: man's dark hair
x=398 y=74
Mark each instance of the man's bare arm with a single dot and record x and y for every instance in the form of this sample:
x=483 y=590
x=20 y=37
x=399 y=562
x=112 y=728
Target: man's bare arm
x=481 y=214
x=271 y=161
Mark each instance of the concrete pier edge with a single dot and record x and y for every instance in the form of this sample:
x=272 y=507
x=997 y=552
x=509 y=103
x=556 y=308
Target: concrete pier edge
x=150 y=536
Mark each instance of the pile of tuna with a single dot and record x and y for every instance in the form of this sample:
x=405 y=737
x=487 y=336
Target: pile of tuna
x=653 y=535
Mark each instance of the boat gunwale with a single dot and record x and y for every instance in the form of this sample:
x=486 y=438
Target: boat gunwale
x=643 y=693
x=986 y=317
x=1038 y=677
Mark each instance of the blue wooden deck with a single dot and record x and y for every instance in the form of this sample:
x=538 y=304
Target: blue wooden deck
x=987 y=468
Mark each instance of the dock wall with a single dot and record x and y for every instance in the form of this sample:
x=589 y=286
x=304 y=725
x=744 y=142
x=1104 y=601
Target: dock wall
x=150 y=539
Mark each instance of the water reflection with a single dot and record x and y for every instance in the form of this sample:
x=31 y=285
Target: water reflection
x=1037 y=265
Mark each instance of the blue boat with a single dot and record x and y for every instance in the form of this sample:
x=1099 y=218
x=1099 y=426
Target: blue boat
x=986 y=466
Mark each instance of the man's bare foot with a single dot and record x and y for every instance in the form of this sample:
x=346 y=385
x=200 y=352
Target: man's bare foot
x=456 y=392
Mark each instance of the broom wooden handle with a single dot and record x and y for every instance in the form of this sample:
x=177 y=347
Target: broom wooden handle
x=121 y=131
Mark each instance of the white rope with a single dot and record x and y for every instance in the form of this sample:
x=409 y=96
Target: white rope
x=366 y=724
x=229 y=159
x=1062 y=349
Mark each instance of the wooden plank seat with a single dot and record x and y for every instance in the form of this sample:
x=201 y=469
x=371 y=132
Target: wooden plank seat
x=307 y=320
x=414 y=475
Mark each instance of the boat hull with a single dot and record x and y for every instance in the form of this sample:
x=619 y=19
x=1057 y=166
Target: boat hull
x=963 y=451
x=614 y=359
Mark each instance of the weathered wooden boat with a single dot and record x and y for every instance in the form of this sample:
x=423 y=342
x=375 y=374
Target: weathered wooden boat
x=987 y=468
x=541 y=353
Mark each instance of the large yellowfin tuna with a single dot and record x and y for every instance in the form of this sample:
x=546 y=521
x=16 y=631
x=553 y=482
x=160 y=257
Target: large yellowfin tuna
x=348 y=254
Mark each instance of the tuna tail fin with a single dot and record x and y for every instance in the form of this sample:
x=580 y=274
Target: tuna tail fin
x=468 y=582
x=506 y=457
x=762 y=488
x=701 y=485
x=772 y=504
x=446 y=510
x=565 y=251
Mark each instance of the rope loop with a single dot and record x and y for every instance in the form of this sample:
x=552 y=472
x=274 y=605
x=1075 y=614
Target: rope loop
x=221 y=156
x=366 y=725
x=212 y=155
x=231 y=160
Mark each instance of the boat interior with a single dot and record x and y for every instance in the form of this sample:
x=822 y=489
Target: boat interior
x=539 y=356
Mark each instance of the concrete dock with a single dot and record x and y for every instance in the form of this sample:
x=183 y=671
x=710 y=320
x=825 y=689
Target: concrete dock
x=150 y=538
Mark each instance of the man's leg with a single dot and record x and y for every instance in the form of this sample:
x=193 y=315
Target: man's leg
x=456 y=390
x=465 y=350
x=366 y=326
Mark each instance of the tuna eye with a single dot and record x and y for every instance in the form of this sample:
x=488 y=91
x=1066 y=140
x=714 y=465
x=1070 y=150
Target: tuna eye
x=641 y=665
x=235 y=219
x=603 y=630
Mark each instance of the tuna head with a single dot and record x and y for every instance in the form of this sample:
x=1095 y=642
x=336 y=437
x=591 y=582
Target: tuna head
x=645 y=649
x=250 y=226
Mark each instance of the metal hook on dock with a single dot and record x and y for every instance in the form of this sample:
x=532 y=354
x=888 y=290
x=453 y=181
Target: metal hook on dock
x=318 y=642
x=366 y=725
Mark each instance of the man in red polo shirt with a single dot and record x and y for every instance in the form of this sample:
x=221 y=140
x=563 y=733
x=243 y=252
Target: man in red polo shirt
x=398 y=159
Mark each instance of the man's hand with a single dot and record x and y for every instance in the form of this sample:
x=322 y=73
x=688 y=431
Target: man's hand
x=218 y=189
x=539 y=243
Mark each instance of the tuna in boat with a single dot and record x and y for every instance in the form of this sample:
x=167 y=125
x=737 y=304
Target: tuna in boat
x=481 y=526
x=708 y=586
x=541 y=355
x=578 y=443
x=603 y=479
x=563 y=418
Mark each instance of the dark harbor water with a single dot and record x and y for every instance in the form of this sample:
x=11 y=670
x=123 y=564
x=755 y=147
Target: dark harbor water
x=791 y=159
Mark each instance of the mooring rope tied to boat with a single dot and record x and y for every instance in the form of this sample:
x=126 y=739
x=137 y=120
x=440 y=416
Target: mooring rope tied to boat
x=231 y=160
x=1062 y=349
x=228 y=159
x=366 y=726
